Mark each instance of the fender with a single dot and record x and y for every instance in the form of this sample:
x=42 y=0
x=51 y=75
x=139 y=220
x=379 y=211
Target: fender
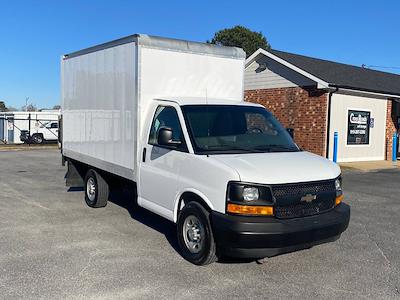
x=194 y=191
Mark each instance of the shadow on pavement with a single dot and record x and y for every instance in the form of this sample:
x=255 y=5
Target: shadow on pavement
x=75 y=189
x=127 y=198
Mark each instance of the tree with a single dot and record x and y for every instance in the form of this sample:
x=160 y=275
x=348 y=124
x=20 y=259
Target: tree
x=29 y=107
x=241 y=37
x=12 y=108
x=3 y=106
x=57 y=106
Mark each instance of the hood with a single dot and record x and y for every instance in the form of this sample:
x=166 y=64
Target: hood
x=280 y=167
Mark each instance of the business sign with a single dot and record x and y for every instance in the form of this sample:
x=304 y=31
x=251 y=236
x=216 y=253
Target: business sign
x=358 y=127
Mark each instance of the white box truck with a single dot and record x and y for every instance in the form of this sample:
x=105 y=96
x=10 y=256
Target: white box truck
x=169 y=116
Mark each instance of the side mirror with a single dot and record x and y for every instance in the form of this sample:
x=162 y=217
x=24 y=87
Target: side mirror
x=164 y=137
x=291 y=132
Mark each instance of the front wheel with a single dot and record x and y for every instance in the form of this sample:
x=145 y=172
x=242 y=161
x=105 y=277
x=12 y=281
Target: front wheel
x=195 y=235
x=37 y=138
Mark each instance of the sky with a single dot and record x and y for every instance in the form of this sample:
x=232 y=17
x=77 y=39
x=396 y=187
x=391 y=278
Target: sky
x=35 y=34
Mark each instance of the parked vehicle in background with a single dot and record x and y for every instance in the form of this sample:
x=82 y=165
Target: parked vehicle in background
x=168 y=116
x=19 y=126
x=47 y=132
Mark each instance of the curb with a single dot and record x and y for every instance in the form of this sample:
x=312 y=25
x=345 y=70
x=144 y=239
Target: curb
x=26 y=148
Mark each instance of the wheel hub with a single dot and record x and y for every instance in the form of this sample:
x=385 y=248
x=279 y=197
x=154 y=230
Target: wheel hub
x=193 y=234
x=91 y=189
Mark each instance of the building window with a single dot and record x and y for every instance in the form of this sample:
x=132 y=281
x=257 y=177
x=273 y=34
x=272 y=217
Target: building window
x=358 y=127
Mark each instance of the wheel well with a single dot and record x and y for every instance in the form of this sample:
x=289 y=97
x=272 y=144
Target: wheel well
x=187 y=197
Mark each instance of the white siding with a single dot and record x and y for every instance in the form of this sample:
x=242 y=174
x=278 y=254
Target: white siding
x=274 y=76
x=375 y=150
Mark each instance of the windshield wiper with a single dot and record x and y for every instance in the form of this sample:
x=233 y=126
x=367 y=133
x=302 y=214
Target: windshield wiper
x=257 y=149
x=233 y=148
x=272 y=147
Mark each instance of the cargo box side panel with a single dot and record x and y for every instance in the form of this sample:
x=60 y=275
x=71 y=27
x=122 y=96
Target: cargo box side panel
x=100 y=109
x=167 y=73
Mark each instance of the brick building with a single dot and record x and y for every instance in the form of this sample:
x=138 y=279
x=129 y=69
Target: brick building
x=318 y=98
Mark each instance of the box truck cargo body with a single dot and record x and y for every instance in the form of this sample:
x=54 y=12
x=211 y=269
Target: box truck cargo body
x=168 y=115
x=107 y=92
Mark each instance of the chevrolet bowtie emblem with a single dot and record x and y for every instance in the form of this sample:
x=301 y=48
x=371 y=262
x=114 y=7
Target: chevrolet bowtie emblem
x=308 y=198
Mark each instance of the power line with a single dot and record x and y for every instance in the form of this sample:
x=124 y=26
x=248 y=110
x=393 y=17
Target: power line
x=379 y=67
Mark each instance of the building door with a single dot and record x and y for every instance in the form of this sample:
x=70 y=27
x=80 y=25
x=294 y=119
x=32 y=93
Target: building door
x=398 y=136
x=1 y=129
x=10 y=127
x=396 y=119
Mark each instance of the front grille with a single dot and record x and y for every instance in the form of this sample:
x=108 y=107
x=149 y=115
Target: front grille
x=288 y=198
x=303 y=209
x=301 y=189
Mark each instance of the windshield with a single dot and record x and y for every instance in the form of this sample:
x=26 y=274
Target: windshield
x=43 y=125
x=235 y=129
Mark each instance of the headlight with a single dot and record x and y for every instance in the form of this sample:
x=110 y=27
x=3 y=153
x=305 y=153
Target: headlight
x=339 y=191
x=249 y=199
x=250 y=194
x=338 y=186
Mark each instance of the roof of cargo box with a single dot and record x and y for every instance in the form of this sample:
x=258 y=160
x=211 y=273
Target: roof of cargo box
x=167 y=44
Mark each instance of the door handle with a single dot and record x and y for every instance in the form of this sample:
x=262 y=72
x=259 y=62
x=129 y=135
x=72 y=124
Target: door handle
x=144 y=155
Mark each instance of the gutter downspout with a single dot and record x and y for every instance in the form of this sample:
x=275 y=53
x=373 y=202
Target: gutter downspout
x=328 y=127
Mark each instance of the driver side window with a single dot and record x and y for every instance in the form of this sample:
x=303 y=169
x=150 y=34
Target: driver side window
x=166 y=116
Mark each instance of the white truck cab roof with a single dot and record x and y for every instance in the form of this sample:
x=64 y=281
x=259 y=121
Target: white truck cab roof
x=181 y=101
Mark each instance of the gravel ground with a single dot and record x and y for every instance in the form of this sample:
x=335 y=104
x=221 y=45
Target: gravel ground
x=53 y=246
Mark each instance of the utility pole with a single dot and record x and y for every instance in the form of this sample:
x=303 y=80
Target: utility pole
x=26 y=103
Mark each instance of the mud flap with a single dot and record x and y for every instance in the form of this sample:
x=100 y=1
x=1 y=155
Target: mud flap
x=73 y=178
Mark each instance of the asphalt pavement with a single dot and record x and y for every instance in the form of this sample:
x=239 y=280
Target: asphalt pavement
x=53 y=246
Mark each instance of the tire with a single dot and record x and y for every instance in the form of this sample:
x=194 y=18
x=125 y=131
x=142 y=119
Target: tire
x=96 y=189
x=190 y=234
x=37 y=138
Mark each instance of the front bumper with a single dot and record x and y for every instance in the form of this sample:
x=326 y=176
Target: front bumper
x=258 y=237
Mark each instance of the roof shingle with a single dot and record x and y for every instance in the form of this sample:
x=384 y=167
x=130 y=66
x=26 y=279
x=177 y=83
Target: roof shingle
x=345 y=76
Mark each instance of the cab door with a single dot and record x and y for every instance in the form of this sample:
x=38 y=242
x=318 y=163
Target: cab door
x=53 y=131
x=50 y=131
x=160 y=165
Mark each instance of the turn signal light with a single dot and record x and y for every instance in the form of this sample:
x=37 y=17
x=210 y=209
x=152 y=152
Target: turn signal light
x=339 y=199
x=250 y=209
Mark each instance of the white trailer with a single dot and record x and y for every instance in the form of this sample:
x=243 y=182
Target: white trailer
x=168 y=115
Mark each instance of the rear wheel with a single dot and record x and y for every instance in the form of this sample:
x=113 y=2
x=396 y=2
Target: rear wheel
x=195 y=235
x=96 y=189
x=37 y=138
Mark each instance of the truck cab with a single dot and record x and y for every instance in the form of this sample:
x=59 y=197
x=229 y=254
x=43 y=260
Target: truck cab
x=235 y=182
